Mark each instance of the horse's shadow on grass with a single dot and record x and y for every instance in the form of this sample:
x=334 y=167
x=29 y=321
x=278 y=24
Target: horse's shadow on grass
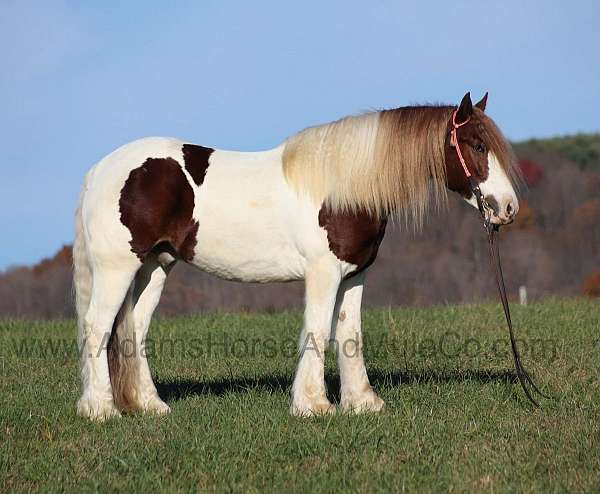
x=278 y=383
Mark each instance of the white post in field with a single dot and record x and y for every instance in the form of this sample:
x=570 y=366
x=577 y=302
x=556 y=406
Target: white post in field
x=523 y=295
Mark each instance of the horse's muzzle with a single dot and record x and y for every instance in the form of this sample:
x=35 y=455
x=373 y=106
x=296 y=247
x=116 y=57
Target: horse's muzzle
x=504 y=209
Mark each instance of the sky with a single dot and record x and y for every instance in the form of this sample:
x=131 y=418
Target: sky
x=80 y=78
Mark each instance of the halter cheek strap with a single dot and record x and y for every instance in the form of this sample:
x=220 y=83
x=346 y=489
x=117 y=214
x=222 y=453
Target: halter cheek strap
x=454 y=141
x=481 y=203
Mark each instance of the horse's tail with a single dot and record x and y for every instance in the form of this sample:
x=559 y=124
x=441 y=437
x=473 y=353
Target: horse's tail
x=82 y=270
x=122 y=358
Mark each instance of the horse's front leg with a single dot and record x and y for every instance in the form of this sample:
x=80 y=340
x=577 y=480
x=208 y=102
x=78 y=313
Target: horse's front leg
x=308 y=391
x=357 y=395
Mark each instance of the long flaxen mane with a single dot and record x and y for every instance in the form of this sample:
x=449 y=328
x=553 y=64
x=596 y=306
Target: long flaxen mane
x=390 y=162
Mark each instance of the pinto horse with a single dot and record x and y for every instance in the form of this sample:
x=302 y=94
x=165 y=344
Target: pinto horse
x=314 y=208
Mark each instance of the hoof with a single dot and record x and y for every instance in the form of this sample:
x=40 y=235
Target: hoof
x=367 y=403
x=307 y=409
x=97 y=410
x=157 y=406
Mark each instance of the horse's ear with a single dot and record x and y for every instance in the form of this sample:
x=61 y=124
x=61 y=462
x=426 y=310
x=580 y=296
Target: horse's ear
x=465 y=109
x=482 y=102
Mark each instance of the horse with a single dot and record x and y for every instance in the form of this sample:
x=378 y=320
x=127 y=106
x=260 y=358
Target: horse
x=315 y=208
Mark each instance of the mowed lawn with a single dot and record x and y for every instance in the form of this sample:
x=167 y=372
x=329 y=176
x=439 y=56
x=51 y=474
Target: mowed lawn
x=455 y=419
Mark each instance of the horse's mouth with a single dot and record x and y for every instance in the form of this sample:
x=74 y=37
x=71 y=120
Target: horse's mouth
x=500 y=221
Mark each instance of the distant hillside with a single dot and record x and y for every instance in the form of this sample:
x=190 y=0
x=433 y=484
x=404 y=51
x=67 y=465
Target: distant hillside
x=583 y=149
x=553 y=249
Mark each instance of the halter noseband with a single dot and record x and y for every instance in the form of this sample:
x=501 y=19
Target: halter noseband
x=482 y=205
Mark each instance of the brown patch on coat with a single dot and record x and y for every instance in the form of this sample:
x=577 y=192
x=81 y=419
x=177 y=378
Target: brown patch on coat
x=156 y=205
x=353 y=237
x=196 y=161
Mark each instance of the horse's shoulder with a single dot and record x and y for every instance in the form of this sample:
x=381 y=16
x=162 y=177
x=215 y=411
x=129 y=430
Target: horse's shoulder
x=353 y=236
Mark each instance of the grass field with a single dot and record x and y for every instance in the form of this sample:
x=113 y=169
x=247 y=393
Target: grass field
x=455 y=417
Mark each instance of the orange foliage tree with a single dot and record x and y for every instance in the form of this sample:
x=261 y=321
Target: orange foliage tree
x=591 y=285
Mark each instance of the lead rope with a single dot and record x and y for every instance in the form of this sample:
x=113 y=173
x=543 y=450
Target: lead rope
x=485 y=210
x=522 y=374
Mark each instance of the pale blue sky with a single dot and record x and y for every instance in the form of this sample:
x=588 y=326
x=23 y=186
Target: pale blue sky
x=80 y=78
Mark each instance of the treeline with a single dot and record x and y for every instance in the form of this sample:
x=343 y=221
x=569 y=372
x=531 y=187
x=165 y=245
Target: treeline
x=582 y=149
x=552 y=249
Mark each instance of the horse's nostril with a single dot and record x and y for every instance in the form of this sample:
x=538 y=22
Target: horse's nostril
x=510 y=209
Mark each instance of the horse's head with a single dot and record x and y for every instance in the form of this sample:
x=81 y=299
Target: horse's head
x=487 y=156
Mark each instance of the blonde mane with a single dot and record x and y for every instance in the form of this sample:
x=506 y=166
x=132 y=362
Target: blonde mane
x=387 y=162
x=390 y=162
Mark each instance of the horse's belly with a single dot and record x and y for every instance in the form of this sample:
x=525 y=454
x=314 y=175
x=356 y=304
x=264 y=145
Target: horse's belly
x=242 y=253
x=251 y=226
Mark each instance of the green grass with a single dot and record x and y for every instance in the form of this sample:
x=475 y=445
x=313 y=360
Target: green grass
x=455 y=419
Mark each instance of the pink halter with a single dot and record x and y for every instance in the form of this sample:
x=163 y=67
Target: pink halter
x=454 y=142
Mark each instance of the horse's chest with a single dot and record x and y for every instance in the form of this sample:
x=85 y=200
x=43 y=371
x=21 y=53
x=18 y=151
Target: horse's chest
x=353 y=237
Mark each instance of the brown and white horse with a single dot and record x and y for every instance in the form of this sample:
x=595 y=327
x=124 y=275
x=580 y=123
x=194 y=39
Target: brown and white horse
x=314 y=208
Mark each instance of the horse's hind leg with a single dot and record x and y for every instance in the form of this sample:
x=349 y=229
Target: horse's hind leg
x=110 y=285
x=133 y=387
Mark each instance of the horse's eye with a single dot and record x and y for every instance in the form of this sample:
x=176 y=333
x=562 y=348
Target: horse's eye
x=479 y=147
